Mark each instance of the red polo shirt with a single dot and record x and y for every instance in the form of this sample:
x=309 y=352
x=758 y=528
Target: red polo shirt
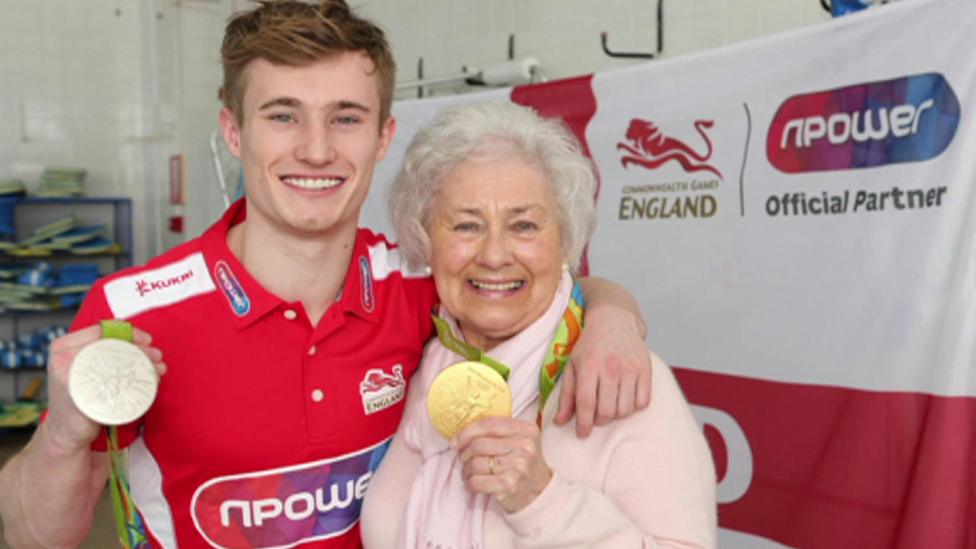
x=266 y=429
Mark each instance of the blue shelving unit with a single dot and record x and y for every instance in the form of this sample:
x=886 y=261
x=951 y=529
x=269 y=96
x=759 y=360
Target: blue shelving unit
x=121 y=232
x=121 y=219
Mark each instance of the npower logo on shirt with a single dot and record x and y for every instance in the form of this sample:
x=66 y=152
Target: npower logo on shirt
x=287 y=506
x=907 y=119
x=232 y=289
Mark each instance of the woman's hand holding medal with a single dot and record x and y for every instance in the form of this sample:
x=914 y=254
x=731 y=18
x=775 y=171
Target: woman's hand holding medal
x=502 y=456
x=470 y=404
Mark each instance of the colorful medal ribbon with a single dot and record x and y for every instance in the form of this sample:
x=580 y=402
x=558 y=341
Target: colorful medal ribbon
x=567 y=333
x=128 y=521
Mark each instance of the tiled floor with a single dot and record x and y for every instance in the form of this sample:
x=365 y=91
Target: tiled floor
x=102 y=535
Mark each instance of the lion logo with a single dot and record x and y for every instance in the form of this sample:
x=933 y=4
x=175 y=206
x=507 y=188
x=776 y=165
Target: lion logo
x=650 y=148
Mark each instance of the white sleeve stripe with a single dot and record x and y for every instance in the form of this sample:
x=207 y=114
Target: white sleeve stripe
x=146 y=483
x=384 y=261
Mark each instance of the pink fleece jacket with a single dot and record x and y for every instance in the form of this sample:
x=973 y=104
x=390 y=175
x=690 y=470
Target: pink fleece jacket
x=643 y=481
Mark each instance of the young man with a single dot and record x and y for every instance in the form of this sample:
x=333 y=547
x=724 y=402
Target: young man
x=289 y=334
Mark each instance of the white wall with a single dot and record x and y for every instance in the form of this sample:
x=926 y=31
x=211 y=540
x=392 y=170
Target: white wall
x=78 y=90
x=564 y=35
x=94 y=84
x=201 y=26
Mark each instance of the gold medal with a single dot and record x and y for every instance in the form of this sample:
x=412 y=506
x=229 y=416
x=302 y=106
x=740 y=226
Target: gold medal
x=464 y=393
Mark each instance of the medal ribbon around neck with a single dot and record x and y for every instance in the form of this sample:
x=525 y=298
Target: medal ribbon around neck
x=128 y=521
x=465 y=350
x=567 y=333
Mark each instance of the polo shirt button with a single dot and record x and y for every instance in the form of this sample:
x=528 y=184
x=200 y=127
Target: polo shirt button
x=290 y=314
x=318 y=395
x=311 y=350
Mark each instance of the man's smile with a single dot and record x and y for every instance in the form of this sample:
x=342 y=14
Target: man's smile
x=312 y=183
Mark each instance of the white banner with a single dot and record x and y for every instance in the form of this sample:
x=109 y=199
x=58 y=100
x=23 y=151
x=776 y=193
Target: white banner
x=796 y=216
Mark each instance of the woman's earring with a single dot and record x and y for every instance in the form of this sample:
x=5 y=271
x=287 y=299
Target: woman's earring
x=565 y=266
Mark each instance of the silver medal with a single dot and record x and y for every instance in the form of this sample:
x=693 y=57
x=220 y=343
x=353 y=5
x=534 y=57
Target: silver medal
x=112 y=382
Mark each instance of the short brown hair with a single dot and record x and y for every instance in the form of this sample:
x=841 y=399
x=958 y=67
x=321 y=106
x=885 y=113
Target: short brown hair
x=294 y=33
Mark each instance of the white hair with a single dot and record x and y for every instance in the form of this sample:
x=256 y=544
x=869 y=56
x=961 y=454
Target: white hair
x=472 y=131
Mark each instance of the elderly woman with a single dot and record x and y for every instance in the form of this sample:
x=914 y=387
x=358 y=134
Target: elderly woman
x=499 y=202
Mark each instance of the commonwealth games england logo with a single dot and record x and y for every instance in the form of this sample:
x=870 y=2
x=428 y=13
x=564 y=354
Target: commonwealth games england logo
x=381 y=390
x=680 y=197
x=650 y=148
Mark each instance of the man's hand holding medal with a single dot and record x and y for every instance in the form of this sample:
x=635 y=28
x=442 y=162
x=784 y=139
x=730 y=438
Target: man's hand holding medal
x=98 y=378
